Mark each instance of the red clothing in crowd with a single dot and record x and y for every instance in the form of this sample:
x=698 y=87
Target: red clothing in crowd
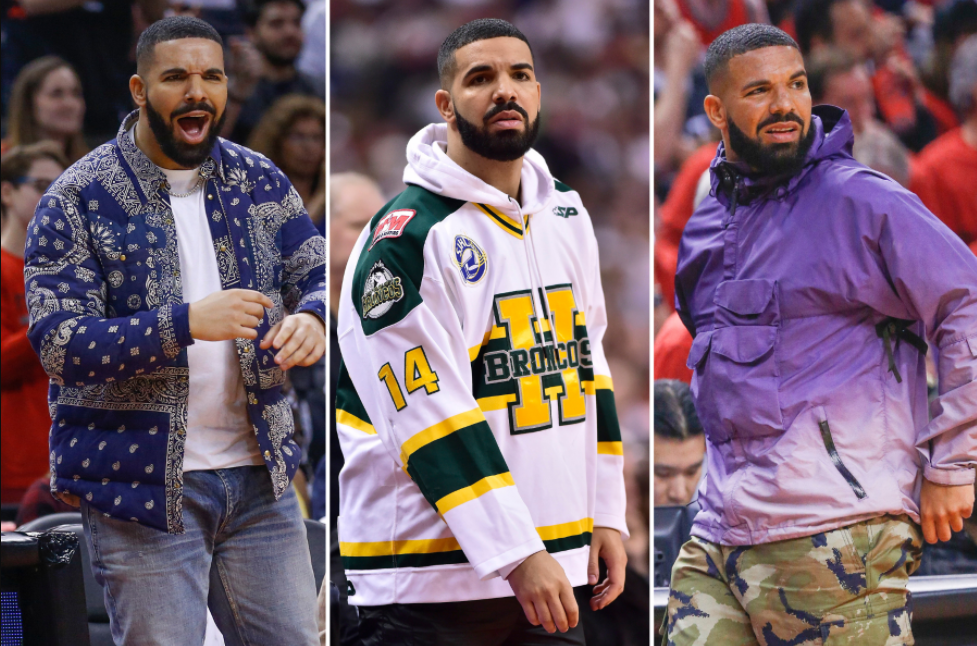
x=24 y=418
x=672 y=347
x=675 y=214
x=737 y=13
x=943 y=178
x=973 y=247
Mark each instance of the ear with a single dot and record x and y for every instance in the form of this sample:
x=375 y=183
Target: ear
x=137 y=88
x=442 y=99
x=715 y=111
x=6 y=193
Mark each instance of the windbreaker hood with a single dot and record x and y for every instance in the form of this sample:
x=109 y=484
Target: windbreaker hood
x=833 y=136
x=429 y=167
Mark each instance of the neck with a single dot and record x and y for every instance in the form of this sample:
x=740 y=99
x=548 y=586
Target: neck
x=303 y=185
x=146 y=142
x=61 y=139
x=969 y=131
x=505 y=176
x=14 y=236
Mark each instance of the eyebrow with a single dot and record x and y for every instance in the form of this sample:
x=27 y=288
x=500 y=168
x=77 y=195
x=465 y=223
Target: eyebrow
x=753 y=84
x=180 y=70
x=486 y=68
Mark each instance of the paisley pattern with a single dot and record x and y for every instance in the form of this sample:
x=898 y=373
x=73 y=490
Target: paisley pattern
x=108 y=319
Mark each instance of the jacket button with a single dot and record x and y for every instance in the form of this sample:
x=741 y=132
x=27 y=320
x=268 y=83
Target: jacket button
x=122 y=257
x=267 y=455
x=210 y=196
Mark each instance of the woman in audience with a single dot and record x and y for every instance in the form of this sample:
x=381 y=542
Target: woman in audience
x=47 y=103
x=25 y=173
x=293 y=135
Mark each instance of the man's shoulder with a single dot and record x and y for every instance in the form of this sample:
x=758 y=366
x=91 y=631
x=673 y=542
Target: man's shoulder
x=100 y=164
x=234 y=155
x=411 y=215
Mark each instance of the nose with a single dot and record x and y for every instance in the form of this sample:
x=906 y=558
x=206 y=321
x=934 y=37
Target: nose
x=782 y=102
x=195 y=89
x=505 y=90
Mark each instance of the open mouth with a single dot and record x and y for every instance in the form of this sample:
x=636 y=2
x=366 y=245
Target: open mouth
x=194 y=126
x=783 y=132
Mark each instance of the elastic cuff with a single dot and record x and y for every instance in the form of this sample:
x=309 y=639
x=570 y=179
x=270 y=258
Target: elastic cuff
x=181 y=324
x=490 y=569
x=949 y=477
x=613 y=522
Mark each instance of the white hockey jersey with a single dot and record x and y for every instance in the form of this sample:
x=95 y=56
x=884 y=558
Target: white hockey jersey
x=475 y=407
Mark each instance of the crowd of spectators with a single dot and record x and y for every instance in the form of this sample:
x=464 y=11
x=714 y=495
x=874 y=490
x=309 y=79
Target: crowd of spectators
x=906 y=73
x=66 y=66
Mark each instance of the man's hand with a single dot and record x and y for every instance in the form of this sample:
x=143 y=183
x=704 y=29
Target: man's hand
x=69 y=499
x=943 y=508
x=543 y=590
x=301 y=339
x=227 y=315
x=606 y=543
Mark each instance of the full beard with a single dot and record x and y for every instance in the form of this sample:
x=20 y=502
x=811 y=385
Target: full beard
x=504 y=146
x=184 y=154
x=771 y=159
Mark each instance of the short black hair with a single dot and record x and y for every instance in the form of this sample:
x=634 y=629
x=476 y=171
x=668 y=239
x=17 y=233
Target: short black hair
x=813 y=19
x=740 y=40
x=481 y=29
x=675 y=414
x=172 y=28
x=255 y=8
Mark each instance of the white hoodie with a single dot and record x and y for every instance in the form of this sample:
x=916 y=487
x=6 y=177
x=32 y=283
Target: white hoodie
x=473 y=438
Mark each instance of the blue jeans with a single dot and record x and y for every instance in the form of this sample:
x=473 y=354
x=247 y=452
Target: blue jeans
x=243 y=554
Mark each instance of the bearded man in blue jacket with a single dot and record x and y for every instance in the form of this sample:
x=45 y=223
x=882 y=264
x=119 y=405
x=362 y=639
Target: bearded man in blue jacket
x=172 y=279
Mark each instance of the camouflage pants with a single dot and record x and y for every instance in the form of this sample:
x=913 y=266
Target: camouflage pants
x=846 y=586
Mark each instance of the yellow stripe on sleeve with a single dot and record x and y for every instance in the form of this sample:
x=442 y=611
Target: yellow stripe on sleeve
x=439 y=430
x=480 y=488
x=610 y=448
x=352 y=421
x=563 y=530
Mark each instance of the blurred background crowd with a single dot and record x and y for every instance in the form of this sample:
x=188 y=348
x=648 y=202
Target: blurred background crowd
x=592 y=60
x=906 y=72
x=65 y=90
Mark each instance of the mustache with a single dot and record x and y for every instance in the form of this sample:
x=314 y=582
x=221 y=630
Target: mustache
x=193 y=107
x=780 y=119
x=502 y=107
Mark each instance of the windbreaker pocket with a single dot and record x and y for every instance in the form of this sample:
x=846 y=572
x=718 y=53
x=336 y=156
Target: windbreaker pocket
x=829 y=445
x=737 y=383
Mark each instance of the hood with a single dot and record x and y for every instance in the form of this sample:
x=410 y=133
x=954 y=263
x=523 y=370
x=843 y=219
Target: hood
x=833 y=137
x=429 y=167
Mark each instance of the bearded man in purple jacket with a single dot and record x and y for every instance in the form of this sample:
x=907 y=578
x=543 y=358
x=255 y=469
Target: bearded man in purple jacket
x=811 y=284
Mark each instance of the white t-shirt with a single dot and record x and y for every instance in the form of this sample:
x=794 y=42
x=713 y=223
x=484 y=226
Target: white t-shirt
x=219 y=434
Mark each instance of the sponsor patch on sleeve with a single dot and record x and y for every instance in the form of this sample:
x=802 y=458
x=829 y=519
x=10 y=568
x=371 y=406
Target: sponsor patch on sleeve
x=381 y=290
x=392 y=225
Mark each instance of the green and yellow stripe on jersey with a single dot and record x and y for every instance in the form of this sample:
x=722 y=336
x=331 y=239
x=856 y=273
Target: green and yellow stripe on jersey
x=608 y=428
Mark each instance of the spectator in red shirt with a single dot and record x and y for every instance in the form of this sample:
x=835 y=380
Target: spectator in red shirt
x=25 y=173
x=945 y=170
x=672 y=347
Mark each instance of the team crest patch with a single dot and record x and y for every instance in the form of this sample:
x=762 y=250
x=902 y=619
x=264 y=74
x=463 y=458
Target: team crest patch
x=381 y=291
x=470 y=258
x=392 y=225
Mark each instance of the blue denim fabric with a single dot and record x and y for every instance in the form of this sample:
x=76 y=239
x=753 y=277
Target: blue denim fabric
x=243 y=554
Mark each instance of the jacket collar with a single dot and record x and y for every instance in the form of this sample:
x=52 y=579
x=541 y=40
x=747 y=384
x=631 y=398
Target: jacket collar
x=150 y=175
x=833 y=136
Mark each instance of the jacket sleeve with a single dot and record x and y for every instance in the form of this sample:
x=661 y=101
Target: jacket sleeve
x=66 y=296
x=404 y=348
x=304 y=257
x=934 y=276
x=611 y=502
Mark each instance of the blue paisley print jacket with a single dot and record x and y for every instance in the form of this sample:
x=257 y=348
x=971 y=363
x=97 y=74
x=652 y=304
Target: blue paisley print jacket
x=108 y=320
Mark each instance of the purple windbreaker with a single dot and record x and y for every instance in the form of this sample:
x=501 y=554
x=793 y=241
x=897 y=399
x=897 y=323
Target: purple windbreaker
x=807 y=299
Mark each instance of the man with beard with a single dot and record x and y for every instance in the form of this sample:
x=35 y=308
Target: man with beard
x=172 y=279
x=475 y=410
x=263 y=68
x=809 y=282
